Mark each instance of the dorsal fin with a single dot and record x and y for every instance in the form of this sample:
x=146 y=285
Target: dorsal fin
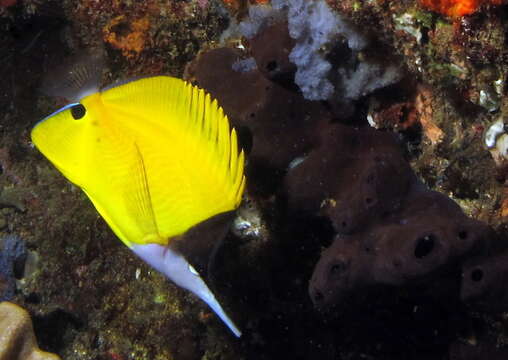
x=77 y=77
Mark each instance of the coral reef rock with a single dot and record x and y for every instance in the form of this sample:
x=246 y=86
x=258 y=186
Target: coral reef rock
x=12 y=260
x=484 y=280
x=272 y=115
x=350 y=159
x=17 y=339
x=326 y=68
x=481 y=350
x=391 y=229
x=456 y=8
x=422 y=242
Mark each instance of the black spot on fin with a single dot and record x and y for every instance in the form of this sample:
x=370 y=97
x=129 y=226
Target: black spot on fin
x=77 y=76
x=201 y=242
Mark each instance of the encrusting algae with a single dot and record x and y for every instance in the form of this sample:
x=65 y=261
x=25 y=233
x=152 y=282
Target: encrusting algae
x=133 y=41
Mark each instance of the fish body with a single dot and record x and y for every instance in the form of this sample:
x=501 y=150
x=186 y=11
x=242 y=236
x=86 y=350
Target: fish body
x=156 y=156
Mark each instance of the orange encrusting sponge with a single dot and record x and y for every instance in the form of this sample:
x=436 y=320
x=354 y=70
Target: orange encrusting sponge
x=456 y=8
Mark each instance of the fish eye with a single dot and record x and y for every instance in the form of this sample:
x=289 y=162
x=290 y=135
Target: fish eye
x=78 y=111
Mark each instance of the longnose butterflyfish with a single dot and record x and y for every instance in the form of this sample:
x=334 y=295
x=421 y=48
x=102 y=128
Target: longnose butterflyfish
x=157 y=157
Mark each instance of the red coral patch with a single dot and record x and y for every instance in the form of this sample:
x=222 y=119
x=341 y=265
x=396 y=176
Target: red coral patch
x=456 y=8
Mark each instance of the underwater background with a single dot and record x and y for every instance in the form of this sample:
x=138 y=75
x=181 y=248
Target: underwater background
x=373 y=225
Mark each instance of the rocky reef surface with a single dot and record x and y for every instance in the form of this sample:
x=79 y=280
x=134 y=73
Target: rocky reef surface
x=374 y=222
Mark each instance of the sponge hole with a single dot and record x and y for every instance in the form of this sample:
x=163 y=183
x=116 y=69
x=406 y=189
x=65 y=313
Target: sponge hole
x=424 y=246
x=272 y=65
x=337 y=268
x=477 y=275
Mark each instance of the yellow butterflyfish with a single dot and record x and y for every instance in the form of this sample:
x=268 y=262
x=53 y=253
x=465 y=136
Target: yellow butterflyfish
x=156 y=156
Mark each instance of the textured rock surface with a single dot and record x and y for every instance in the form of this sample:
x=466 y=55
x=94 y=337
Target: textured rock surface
x=393 y=231
x=397 y=242
x=422 y=242
x=345 y=178
x=13 y=254
x=484 y=282
x=480 y=351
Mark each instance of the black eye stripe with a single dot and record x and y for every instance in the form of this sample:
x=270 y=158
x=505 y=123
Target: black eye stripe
x=78 y=111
